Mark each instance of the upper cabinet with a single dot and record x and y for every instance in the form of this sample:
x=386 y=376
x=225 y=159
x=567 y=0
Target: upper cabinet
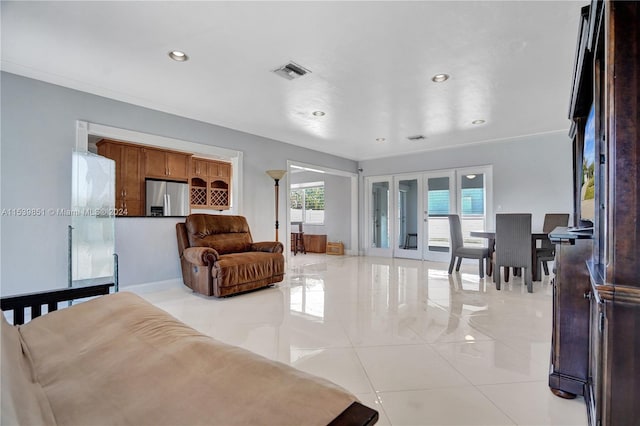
x=164 y=164
x=199 y=167
x=219 y=169
x=209 y=180
x=210 y=184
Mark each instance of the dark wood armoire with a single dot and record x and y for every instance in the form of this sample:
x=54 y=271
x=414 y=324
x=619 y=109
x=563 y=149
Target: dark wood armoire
x=596 y=336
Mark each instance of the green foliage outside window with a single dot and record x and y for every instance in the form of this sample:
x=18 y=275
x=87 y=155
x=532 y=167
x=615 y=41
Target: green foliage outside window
x=314 y=198
x=297 y=196
x=307 y=204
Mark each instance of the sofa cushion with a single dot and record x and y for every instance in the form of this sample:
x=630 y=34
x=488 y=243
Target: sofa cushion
x=240 y=268
x=23 y=400
x=119 y=360
x=225 y=234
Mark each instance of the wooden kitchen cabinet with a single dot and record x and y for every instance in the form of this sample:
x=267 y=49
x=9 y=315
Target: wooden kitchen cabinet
x=209 y=180
x=210 y=184
x=165 y=164
x=199 y=167
x=129 y=177
x=219 y=169
x=178 y=165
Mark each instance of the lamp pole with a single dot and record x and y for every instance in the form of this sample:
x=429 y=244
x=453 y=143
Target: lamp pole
x=276 y=175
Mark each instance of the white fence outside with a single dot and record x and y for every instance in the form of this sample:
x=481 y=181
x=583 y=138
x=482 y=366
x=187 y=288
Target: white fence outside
x=439 y=231
x=314 y=217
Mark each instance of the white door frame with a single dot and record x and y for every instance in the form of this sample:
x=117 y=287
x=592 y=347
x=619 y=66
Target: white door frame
x=353 y=249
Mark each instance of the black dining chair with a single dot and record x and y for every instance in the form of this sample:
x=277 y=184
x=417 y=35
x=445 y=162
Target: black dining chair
x=513 y=247
x=547 y=251
x=459 y=251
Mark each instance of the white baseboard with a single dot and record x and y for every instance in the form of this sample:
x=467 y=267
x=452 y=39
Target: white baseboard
x=153 y=286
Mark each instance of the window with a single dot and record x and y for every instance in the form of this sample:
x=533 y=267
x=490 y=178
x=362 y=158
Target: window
x=307 y=203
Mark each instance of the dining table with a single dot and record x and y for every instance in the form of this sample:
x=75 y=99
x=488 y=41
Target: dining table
x=491 y=238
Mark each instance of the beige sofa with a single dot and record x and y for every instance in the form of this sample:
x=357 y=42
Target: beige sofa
x=117 y=359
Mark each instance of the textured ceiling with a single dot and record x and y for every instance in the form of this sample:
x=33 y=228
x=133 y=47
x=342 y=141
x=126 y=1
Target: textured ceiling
x=371 y=66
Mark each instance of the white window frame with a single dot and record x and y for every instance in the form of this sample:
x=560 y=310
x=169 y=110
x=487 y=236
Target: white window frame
x=306 y=185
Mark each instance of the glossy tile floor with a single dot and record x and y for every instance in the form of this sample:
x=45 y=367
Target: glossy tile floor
x=419 y=345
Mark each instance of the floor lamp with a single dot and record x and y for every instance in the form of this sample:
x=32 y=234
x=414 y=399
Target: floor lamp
x=276 y=175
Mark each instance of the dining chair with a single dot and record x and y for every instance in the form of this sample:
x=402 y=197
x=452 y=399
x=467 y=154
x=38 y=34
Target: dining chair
x=459 y=251
x=513 y=246
x=547 y=250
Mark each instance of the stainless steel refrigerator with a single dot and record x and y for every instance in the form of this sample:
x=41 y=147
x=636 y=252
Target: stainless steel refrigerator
x=166 y=198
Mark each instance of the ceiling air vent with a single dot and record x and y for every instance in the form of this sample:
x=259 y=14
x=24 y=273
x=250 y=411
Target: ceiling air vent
x=416 y=137
x=291 y=71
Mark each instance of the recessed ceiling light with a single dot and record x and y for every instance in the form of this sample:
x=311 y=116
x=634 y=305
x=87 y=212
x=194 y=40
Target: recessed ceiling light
x=318 y=113
x=380 y=139
x=477 y=122
x=471 y=176
x=178 y=55
x=439 y=78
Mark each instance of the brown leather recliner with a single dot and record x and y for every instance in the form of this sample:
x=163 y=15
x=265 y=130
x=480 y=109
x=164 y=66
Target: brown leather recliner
x=219 y=258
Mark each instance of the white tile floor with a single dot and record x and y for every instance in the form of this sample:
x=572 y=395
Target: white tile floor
x=420 y=346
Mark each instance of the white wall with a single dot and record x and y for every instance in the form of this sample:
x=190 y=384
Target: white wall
x=38 y=135
x=530 y=174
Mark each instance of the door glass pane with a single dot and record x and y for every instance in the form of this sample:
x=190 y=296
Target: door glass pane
x=380 y=211
x=408 y=214
x=438 y=202
x=472 y=204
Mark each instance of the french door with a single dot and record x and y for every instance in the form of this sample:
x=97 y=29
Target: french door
x=475 y=202
x=408 y=217
x=378 y=198
x=407 y=214
x=440 y=201
x=466 y=192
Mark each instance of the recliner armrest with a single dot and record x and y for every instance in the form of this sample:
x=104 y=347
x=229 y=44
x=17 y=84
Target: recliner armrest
x=268 y=246
x=200 y=256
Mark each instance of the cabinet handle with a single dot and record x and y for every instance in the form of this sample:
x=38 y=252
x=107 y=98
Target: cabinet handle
x=587 y=295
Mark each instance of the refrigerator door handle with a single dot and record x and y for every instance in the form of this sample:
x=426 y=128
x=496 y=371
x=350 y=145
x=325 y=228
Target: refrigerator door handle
x=167 y=205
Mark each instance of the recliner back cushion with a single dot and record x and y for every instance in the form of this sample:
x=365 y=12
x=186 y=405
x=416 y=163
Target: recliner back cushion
x=225 y=234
